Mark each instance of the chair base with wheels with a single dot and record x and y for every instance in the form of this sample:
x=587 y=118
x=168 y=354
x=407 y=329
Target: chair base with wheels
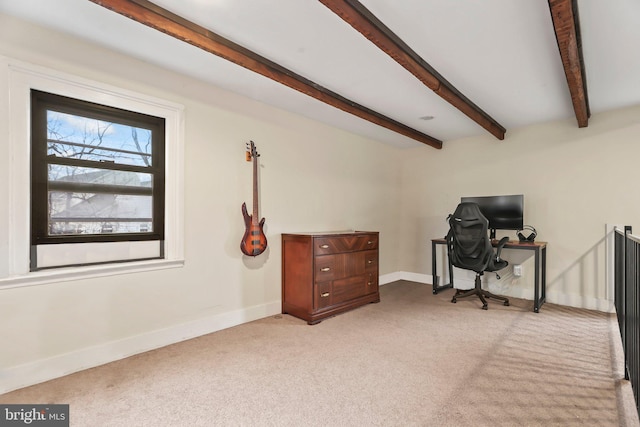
x=481 y=293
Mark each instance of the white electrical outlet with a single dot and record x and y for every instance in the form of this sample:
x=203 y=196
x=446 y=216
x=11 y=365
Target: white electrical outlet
x=517 y=270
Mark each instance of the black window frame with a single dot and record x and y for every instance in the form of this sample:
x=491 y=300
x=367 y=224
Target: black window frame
x=41 y=102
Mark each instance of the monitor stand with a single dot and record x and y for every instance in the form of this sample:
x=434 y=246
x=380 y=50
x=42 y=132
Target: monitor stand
x=492 y=234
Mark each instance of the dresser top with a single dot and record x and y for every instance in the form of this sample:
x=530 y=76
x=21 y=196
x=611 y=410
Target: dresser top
x=330 y=233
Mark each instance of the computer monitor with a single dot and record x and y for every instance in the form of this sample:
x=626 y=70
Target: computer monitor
x=503 y=212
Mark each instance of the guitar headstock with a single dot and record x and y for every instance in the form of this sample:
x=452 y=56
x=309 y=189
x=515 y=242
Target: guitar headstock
x=252 y=152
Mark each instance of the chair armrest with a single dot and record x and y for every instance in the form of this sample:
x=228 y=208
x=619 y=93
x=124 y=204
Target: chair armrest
x=501 y=244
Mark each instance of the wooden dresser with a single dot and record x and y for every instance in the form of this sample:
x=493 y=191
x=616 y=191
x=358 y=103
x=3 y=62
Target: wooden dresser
x=324 y=274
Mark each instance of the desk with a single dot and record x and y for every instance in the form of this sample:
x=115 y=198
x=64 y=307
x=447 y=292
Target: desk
x=540 y=252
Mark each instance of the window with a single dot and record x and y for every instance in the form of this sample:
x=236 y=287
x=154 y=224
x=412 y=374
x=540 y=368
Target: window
x=25 y=261
x=97 y=176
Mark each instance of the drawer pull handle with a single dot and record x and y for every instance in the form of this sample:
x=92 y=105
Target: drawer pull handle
x=369 y=283
x=325 y=269
x=370 y=242
x=370 y=261
x=324 y=294
x=324 y=246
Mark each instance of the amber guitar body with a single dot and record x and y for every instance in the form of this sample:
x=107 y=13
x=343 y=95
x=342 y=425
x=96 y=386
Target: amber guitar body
x=254 y=242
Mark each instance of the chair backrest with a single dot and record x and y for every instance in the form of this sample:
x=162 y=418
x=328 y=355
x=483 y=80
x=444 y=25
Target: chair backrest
x=468 y=242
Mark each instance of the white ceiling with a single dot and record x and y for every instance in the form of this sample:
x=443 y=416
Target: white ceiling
x=501 y=54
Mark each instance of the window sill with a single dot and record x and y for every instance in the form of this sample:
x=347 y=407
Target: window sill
x=79 y=273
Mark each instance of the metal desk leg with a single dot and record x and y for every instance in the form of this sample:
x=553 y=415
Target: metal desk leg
x=541 y=279
x=543 y=291
x=536 y=297
x=450 y=284
x=436 y=279
x=433 y=268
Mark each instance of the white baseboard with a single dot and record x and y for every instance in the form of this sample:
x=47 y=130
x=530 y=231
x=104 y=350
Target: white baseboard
x=20 y=376
x=559 y=298
x=405 y=275
x=39 y=371
x=580 y=301
x=42 y=370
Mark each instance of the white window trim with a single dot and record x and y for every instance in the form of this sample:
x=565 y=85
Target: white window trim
x=16 y=81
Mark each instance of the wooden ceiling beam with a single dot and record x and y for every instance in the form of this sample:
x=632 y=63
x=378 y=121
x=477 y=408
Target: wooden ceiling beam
x=361 y=19
x=566 y=23
x=162 y=20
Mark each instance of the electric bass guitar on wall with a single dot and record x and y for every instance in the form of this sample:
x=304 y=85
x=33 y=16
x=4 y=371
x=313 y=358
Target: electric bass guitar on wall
x=254 y=242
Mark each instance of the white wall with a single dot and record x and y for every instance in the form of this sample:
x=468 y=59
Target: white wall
x=574 y=182
x=312 y=178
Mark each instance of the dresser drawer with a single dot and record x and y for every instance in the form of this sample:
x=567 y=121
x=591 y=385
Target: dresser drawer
x=371 y=283
x=368 y=242
x=349 y=288
x=322 y=297
x=329 y=245
x=357 y=263
x=341 y=244
x=371 y=261
x=328 y=294
x=328 y=267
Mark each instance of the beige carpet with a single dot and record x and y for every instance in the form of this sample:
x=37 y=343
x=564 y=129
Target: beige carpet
x=414 y=359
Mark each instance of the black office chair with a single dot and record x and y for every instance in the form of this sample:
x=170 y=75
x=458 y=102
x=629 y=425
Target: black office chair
x=469 y=247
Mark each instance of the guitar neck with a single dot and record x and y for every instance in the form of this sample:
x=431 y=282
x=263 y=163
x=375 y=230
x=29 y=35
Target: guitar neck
x=255 y=190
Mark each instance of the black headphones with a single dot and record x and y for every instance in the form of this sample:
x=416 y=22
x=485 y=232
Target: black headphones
x=531 y=237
